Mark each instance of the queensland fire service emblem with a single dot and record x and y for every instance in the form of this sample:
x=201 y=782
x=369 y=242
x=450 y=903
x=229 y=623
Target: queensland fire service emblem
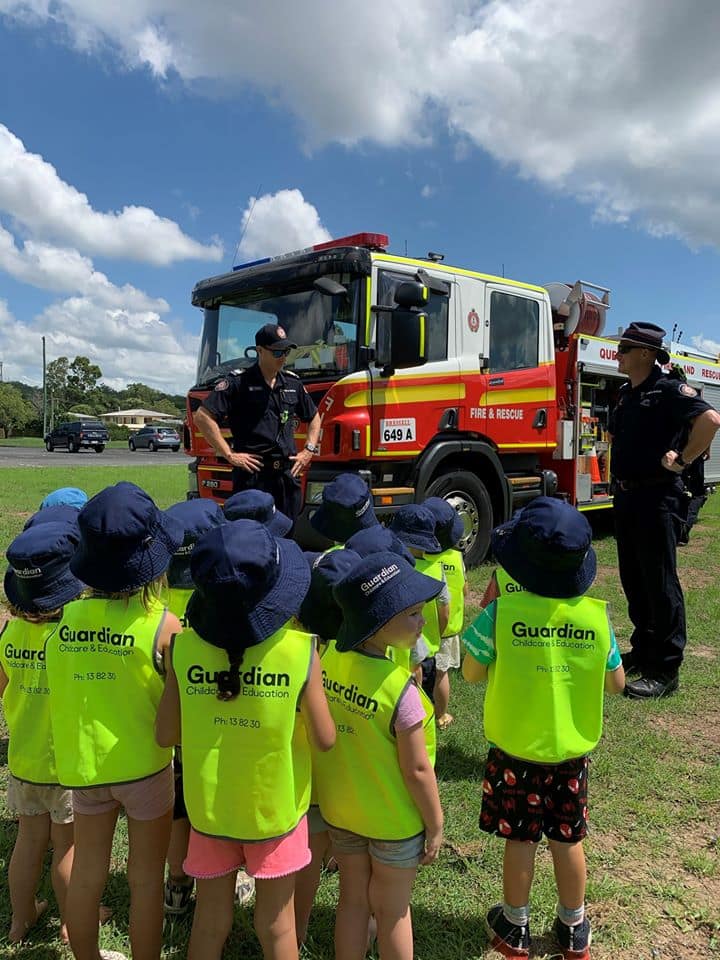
x=473 y=321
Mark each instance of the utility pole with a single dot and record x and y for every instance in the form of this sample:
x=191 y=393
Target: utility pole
x=44 y=394
x=1 y=366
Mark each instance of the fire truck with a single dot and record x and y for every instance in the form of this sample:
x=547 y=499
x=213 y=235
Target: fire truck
x=431 y=380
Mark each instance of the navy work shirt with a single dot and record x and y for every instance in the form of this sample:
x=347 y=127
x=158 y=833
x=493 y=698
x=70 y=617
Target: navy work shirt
x=260 y=418
x=649 y=420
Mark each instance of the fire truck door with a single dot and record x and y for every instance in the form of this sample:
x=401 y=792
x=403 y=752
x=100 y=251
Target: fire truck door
x=519 y=387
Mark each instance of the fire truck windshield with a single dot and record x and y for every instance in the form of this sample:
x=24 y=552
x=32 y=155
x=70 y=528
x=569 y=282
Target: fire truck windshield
x=324 y=327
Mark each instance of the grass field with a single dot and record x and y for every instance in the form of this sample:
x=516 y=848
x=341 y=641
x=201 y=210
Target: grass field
x=654 y=850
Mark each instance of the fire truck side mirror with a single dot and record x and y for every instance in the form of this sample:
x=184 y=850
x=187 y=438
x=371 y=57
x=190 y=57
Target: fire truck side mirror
x=411 y=294
x=401 y=339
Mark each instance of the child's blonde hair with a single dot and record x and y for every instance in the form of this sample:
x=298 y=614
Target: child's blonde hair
x=37 y=616
x=151 y=594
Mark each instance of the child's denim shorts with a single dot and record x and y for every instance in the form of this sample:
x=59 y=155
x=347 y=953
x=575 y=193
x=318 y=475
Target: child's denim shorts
x=404 y=854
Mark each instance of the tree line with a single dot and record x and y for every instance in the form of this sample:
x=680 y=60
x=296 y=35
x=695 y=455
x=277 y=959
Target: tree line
x=74 y=387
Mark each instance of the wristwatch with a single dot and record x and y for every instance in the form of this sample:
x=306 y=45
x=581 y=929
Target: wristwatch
x=312 y=448
x=679 y=460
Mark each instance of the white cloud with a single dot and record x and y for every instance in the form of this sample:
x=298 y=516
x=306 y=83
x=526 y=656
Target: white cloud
x=279 y=222
x=707 y=344
x=37 y=199
x=616 y=104
x=128 y=346
x=427 y=191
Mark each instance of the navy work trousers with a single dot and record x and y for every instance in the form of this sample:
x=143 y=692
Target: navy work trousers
x=648 y=522
x=284 y=488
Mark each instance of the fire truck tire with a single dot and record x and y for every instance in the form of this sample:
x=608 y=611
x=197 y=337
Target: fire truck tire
x=470 y=498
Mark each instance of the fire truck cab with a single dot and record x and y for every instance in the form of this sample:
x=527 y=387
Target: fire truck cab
x=431 y=380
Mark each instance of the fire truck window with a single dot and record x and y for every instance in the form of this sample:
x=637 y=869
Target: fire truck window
x=436 y=327
x=514 y=332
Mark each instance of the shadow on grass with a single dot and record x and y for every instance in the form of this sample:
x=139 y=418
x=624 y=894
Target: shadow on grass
x=3 y=751
x=453 y=763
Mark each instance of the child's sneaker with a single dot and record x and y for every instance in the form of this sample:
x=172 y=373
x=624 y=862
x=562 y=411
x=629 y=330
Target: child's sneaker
x=177 y=897
x=575 y=941
x=507 y=938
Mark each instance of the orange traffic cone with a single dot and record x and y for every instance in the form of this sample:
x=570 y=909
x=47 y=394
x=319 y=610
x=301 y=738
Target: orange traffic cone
x=594 y=466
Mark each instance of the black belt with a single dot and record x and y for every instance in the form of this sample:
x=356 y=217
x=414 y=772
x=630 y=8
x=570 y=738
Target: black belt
x=628 y=485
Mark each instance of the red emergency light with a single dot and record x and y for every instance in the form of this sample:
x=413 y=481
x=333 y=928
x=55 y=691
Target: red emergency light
x=377 y=241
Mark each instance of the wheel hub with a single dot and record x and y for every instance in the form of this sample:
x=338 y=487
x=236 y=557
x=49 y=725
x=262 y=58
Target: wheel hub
x=468 y=513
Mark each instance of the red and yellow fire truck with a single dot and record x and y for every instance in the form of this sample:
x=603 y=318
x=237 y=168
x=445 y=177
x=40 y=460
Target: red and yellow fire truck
x=431 y=380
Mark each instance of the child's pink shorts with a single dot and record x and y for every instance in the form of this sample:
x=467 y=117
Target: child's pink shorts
x=211 y=857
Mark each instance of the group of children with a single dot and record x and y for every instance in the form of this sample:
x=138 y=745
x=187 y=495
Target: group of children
x=256 y=712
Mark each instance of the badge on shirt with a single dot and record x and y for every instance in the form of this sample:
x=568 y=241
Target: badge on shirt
x=222 y=385
x=687 y=391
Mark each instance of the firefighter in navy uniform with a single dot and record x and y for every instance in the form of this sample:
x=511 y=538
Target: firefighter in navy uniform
x=261 y=404
x=653 y=413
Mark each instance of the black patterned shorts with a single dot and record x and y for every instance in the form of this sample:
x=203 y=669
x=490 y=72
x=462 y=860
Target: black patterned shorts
x=523 y=800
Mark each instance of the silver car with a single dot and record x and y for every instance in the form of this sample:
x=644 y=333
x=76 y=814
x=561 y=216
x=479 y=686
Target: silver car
x=155 y=438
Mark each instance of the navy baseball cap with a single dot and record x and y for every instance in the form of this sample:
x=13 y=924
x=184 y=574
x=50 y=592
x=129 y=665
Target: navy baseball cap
x=258 y=505
x=273 y=337
x=125 y=540
x=448 y=524
x=379 y=539
x=39 y=578
x=415 y=525
x=69 y=496
x=319 y=612
x=347 y=506
x=547 y=548
x=195 y=517
x=62 y=513
x=245 y=579
x=376 y=589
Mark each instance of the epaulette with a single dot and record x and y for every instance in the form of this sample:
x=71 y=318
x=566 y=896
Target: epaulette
x=291 y=373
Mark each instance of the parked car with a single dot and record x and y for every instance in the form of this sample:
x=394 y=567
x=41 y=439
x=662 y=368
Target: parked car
x=78 y=434
x=155 y=438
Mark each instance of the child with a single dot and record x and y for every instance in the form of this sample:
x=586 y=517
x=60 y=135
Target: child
x=104 y=669
x=260 y=506
x=414 y=524
x=347 y=506
x=552 y=650
x=449 y=531
x=195 y=517
x=37 y=584
x=377 y=790
x=65 y=496
x=237 y=680
x=320 y=614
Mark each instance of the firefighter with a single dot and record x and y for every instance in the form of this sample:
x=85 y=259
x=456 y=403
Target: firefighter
x=652 y=415
x=260 y=404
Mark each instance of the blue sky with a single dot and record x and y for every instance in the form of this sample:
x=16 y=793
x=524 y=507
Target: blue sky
x=559 y=140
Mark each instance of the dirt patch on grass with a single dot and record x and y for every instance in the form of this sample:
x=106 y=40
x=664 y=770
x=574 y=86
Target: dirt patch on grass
x=689 y=730
x=701 y=651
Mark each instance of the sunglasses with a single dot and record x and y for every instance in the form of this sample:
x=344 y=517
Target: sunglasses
x=278 y=354
x=627 y=347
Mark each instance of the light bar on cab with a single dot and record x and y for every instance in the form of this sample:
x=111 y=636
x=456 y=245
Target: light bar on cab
x=374 y=241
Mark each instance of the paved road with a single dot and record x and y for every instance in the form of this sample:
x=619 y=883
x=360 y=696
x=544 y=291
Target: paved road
x=111 y=457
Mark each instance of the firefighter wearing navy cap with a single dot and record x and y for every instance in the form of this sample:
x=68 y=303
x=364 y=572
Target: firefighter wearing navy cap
x=260 y=405
x=659 y=426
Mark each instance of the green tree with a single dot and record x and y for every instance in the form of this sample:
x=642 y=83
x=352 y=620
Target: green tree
x=14 y=411
x=82 y=378
x=56 y=377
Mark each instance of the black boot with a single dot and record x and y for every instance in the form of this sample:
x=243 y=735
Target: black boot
x=652 y=687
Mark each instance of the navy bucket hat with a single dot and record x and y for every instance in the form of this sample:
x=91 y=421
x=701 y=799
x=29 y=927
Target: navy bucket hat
x=449 y=527
x=415 y=525
x=125 y=540
x=195 y=517
x=319 y=611
x=379 y=539
x=378 y=588
x=547 y=548
x=245 y=579
x=258 y=505
x=58 y=514
x=39 y=578
x=67 y=496
x=347 y=506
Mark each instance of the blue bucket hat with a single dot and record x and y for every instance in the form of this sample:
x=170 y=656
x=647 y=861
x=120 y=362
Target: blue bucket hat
x=125 y=540
x=379 y=539
x=195 y=517
x=61 y=513
x=449 y=527
x=39 y=578
x=347 y=506
x=69 y=496
x=547 y=548
x=415 y=525
x=319 y=611
x=377 y=589
x=245 y=579
x=258 y=505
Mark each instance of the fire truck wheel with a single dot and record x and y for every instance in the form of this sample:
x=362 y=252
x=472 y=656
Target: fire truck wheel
x=468 y=495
